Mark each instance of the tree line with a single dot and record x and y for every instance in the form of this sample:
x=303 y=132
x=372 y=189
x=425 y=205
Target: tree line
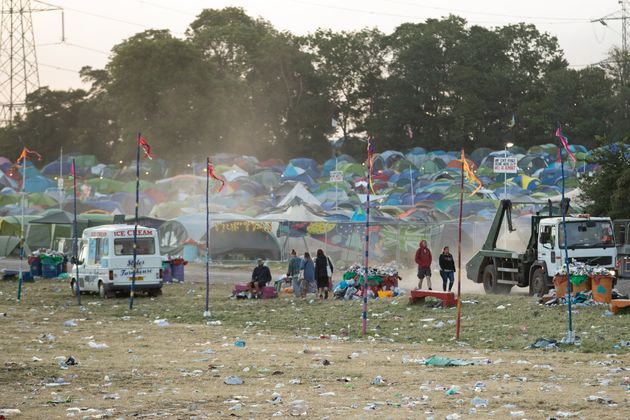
x=236 y=84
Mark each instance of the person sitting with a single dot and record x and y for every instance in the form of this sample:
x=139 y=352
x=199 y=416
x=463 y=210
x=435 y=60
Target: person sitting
x=260 y=277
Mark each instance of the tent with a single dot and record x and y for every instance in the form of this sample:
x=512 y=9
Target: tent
x=300 y=191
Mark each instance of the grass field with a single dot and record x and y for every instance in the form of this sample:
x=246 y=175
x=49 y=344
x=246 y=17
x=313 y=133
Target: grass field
x=178 y=371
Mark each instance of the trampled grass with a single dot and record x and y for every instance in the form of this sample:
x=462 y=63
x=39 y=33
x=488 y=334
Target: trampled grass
x=493 y=322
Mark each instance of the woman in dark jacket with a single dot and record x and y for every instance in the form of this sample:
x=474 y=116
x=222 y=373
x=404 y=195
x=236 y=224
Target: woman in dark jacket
x=447 y=269
x=323 y=273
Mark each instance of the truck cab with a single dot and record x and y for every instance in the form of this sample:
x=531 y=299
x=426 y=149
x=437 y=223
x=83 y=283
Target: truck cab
x=590 y=240
x=106 y=266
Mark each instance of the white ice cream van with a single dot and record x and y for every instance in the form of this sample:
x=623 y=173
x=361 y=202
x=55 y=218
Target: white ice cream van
x=106 y=261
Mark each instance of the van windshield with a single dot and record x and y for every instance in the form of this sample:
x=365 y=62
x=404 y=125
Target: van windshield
x=124 y=246
x=587 y=234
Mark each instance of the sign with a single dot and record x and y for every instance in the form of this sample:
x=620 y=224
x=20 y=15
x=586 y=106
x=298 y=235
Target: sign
x=60 y=183
x=505 y=165
x=336 y=176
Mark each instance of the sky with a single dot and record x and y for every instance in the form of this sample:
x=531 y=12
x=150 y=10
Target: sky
x=93 y=27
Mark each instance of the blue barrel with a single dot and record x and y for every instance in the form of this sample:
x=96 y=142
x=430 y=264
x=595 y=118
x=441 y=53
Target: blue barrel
x=178 y=272
x=50 y=271
x=36 y=267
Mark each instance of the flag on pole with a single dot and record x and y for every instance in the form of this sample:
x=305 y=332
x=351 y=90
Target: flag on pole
x=470 y=175
x=370 y=161
x=565 y=144
x=145 y=146
x=24 y=155
x=213 y=176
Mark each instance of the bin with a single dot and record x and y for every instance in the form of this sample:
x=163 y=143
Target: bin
x=50 y=271
x=36 y=266
x=560 y=284
x=177 y=269
x=602 y=288
x=580 y=283
x=166 y=272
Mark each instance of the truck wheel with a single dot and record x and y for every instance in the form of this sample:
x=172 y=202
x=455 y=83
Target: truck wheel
x=490 y=284
x=538 y=283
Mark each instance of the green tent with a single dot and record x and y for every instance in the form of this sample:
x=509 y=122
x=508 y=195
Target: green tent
x=105 y=185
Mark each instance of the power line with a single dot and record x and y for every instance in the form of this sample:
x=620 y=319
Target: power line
x=70 y=44
x=552 y=21
x=554 y=18
x=58 y=68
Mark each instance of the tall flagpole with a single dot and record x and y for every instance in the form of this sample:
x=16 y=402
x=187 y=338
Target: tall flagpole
x=367 y=238
x=206 y=313
x=570 y=338
x=75 y=234
x=135 y=228
x=459 y=252
x=22 y=238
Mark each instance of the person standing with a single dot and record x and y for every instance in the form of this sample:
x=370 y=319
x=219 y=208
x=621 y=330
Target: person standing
x=293 y=272
x=424 y=259
x=308 y=275
x=323 y=273
x=447 y=269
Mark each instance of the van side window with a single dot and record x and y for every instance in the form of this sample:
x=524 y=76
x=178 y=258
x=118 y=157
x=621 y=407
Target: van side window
x=91 y=259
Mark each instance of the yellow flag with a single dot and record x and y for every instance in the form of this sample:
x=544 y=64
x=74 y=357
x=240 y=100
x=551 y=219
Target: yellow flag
x=470 y=175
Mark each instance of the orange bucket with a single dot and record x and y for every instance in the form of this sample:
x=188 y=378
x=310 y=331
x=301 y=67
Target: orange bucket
x=602 y=288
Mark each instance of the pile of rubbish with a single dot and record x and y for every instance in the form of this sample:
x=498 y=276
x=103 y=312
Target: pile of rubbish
x=382 y=282
x=583 y=269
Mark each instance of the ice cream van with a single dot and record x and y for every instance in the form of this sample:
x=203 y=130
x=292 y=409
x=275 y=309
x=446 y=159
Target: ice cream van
x=106 y=261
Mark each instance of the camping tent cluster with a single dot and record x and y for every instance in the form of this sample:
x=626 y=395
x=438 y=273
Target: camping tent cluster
x=271 y=199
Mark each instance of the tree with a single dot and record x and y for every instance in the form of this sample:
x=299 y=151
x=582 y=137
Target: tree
x=350 y=65
x=161 y=85
x=606 y=189
x=56 y=119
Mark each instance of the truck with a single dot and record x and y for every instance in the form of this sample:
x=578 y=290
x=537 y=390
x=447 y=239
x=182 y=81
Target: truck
x=622 y=239
x=590 y=240
x=106 y=265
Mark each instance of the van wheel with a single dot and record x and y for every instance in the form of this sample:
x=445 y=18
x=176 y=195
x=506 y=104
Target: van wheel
x=73 y=287
x=538 y=283
x=101 y=291
x=155 y=292
x=490 y=283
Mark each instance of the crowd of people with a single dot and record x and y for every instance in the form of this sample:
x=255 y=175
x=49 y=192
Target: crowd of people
x=303 y=273
x=306 y=275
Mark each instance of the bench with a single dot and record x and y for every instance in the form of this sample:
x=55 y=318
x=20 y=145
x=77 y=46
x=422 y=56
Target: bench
x=447 y=298
x=267 y=292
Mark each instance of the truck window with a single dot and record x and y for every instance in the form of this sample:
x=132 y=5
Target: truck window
x=124 y=246
x=587 y=234
x=620 y=233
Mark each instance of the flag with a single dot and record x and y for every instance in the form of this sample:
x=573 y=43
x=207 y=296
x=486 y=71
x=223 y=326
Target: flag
x=24 y=155
x=370 y=153
x=72 y=169
x=213 y=176
x=565 y=143
x=145 y=145
x=409 y=131
x=470 y=175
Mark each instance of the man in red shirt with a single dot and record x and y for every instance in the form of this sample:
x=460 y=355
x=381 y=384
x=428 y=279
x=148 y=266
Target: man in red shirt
x=424 y=259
